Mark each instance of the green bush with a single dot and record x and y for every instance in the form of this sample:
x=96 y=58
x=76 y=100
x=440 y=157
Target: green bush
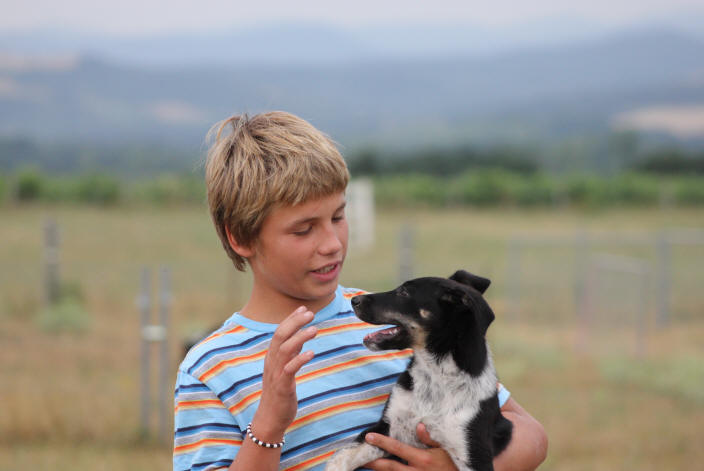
x=585 y=190
x=482 y=188
x=410 y=190
x=534 y=190
x=633 y=189
x=170 y=189
x=99 y=189
x=67 y=313
x=3 y=189
x=30 y=185
x=688 y=191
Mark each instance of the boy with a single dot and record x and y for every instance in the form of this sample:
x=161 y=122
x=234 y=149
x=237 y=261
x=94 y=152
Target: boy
x=249 y=397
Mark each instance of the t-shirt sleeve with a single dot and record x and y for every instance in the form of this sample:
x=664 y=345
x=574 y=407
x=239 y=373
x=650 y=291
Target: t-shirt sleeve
x=504 y=394
x=206 y=435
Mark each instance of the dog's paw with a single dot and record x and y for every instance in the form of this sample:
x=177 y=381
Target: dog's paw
x=348 y=459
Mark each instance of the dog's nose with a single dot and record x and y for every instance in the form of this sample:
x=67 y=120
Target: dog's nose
x=355 y=301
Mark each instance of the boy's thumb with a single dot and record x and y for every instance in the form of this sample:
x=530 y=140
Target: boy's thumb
x=424 y=436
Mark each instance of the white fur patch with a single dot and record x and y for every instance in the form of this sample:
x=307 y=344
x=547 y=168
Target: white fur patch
x=444 y=398
x=353 y=457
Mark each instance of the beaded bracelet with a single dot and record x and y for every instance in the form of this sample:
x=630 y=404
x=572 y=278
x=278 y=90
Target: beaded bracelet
x=261 y=443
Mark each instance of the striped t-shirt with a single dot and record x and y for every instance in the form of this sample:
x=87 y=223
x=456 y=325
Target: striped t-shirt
x=341 y=391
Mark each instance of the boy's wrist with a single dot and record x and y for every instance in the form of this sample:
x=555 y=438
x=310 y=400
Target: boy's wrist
x=267 y=430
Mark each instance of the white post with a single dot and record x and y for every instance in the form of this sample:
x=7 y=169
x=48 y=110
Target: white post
x=360 y=213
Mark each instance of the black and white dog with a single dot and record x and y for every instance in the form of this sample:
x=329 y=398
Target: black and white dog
x=450 y=384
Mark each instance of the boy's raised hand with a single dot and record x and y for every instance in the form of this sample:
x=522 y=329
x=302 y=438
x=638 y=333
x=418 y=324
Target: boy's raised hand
x=278 y=403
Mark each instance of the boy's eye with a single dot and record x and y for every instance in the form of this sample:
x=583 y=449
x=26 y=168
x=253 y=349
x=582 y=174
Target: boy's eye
x=303 y=231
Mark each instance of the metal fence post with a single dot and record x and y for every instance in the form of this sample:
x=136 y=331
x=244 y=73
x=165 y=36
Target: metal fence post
x=144 y=303
x=513 y=277
x=51 y=260
x=164 y=384
x=405 y=254
x=664 y=274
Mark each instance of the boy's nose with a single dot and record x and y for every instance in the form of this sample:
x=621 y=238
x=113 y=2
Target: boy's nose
x=332 y=242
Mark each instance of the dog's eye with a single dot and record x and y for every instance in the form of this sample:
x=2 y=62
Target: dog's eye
x=402 y=292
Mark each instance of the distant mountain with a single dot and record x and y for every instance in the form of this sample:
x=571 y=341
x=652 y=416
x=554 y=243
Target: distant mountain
x=295 y=43
x=536 y=92
x=319 y=43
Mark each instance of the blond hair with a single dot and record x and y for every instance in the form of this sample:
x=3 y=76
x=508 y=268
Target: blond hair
x=256 y=163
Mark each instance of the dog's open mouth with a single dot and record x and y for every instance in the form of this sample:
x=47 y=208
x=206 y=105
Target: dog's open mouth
x=384 y=338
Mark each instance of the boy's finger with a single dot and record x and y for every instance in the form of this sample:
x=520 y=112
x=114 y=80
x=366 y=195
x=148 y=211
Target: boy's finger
x=424 y=436
x=297 y=363
x=394 y=447
x=294 y=344
x=291 y=325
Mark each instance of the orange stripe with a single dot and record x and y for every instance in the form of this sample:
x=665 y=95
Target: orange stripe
x=232 y=362
x=205 y=442
x=198 y=404
x=338 y=328
x=311 y=462
x=246 y=401
x=234 y=330
x=337 y=408
x=353 y=294
x=350 y=364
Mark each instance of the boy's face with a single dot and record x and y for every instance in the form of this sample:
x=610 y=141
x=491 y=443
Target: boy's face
x=299 y=252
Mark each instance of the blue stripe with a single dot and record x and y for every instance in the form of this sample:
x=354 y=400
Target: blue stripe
x=348 y=389
x=210 y=353
x=219 y=463
x=344 y=314
x=300 y=449
x=185 y=431
x=191 y=388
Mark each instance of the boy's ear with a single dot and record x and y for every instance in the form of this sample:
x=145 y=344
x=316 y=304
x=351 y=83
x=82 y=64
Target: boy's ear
x=241 y=250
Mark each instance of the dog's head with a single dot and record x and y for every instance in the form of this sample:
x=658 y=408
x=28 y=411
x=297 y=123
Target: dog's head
x=440 y=315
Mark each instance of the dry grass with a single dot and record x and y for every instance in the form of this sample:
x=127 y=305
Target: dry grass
x=70 y=399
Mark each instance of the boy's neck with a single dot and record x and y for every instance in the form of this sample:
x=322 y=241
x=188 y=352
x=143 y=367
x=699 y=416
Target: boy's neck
x=274 y=309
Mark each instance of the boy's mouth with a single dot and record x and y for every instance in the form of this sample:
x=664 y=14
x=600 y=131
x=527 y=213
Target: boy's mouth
x=326 y=269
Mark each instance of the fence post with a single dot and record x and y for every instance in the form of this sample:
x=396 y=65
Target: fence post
x=664 y=274
x=360 y=212
x=164 y=383
x=144 y=303
x=513 y=278
x=51 y=260
x=405 y=253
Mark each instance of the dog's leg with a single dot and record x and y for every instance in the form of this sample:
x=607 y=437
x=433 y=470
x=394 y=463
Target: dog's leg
x=348 y=459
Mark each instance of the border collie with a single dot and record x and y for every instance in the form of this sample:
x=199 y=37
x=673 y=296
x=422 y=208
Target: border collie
x=450 y=384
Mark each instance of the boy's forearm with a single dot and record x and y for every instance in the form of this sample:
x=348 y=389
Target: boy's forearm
x=252 y=457
x=255 y=457
x=528 y=446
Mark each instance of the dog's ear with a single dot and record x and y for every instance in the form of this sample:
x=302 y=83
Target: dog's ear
x=455 y=295
x=477 y=309
x=485 y=316
x=476 y=282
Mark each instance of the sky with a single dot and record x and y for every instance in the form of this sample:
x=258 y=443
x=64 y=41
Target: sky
x=154 y=17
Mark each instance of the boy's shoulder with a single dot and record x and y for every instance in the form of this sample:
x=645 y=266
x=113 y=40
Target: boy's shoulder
x=228 y=340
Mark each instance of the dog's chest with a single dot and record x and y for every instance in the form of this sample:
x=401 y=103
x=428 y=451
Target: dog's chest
x=443 y=397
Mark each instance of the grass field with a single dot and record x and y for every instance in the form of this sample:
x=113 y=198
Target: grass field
x=70 y=392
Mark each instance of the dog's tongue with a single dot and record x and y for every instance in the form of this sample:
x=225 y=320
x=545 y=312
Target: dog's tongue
x=381 y=334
